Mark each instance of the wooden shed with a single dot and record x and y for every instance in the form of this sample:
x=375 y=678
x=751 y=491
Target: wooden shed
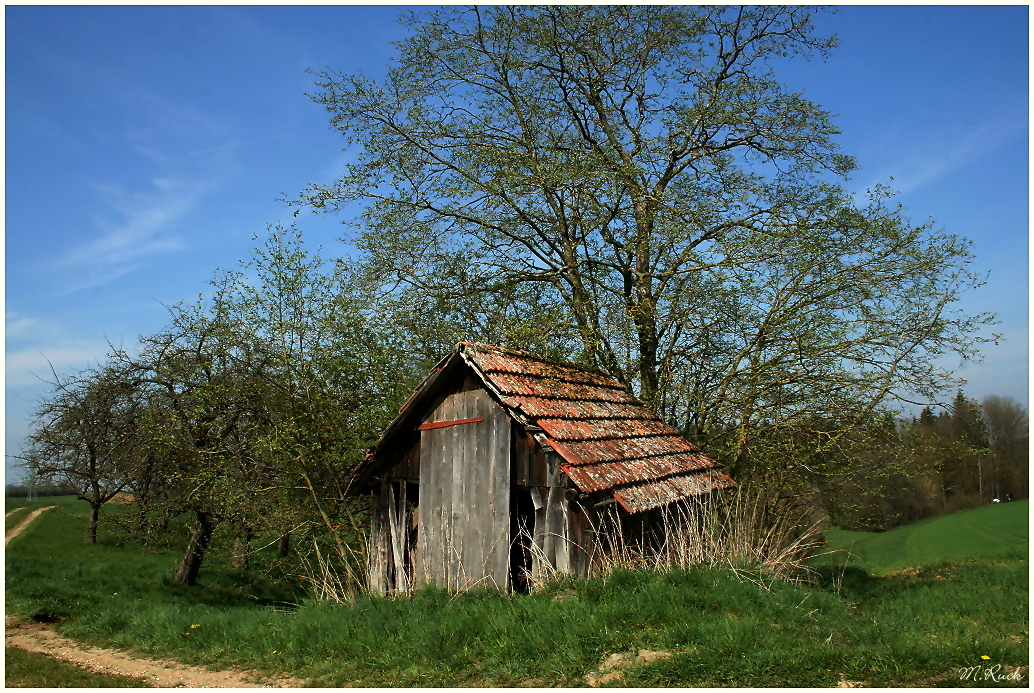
x=500 y=465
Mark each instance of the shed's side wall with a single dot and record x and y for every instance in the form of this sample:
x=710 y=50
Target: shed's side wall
x=464 y=511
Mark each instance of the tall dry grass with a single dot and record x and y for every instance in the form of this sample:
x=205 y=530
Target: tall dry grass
x=741 y=530
x=754 y=536
x=329 y=576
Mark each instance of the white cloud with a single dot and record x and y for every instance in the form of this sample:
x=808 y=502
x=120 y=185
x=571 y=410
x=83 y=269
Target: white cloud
x=34 y=366
x=20 y=327
x=41 y=347
x=140 y=222
x=142 y=226
x=948 y=153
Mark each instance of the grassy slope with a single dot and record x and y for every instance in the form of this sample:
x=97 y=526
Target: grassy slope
x=721 y=629
x=982 y=532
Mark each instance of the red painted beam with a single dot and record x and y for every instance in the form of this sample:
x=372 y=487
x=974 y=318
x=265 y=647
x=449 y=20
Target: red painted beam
x=440 y=424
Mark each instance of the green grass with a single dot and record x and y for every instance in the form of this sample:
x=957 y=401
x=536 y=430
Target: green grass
x=14 y=518
x=721 y=628
x=985 y=532
x=30 y=670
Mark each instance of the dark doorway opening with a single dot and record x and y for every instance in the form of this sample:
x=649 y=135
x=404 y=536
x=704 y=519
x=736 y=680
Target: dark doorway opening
x=522 y=529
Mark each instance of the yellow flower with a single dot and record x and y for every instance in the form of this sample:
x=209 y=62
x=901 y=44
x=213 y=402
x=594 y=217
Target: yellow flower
x=196 y=625
x=276 y=652
x=984 y=657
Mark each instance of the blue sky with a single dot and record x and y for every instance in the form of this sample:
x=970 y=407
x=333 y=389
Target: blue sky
x=147 y=145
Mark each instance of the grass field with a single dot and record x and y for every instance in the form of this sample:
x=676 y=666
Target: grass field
x=718 y=627
x=983 y=532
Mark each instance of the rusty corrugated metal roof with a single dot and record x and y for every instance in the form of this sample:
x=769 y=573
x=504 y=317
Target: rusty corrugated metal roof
x=608 y=440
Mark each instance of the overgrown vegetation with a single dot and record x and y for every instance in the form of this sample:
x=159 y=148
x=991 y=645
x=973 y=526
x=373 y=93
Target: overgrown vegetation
x=630 y=188
x=634 y=188
x=719 y=627
x=247 y=413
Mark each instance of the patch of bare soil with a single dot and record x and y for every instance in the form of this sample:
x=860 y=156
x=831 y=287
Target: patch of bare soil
x=20 y=527
x=844 y=683
x=11 y=512
x=613 y=667
x=40 y=638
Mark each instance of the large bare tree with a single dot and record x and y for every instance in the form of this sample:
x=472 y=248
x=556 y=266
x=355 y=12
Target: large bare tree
x=636 y=185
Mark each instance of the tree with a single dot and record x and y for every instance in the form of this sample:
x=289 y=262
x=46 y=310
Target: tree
x=660 y=206
x=260 y=400
x=84 y=436
x=334 y=380
x=206 y=414
x=1008 y=434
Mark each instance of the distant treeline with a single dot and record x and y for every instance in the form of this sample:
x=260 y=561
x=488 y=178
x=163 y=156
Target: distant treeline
x=45 y=488
x=967 y=455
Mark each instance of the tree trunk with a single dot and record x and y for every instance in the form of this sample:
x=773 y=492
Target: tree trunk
x=283 y=547
x=241 y=549
x=195 y=554
x=980 y=478
x=95 y=515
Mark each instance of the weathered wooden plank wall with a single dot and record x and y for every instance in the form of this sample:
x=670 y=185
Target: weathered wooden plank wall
x=389 y=527
x=464 y=492
x=377 y=556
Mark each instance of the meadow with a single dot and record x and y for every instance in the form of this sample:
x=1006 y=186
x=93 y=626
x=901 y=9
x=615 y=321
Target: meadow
x=921 y=605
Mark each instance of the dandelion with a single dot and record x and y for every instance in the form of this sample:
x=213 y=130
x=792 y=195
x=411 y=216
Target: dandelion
x=984 y=657
x=276 y=652
x=196 y=625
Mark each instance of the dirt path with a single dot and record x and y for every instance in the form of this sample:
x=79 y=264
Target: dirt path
x=41 y=639
x=20 y=527
x=12 y=512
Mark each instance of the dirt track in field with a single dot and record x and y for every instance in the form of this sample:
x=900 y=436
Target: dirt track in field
x=41 y=639
x=20 y=527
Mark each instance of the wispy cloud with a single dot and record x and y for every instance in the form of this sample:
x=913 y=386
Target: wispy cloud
x=41 y=347
x=139 y=225
x=948 y=153
x=136 y=223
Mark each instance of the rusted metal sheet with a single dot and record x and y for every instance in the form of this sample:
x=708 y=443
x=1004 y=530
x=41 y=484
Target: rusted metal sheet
x=443 y=424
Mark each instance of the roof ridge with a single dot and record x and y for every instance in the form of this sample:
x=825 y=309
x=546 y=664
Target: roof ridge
x=614 y=385
x=482 y=346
